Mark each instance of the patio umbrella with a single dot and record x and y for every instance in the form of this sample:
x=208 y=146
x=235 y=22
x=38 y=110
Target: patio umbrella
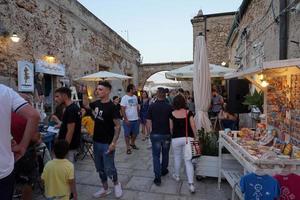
x=104 y=75
x=187 y=72
x=201 y=85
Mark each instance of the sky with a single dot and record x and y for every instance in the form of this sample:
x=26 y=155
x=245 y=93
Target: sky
x=160 y=29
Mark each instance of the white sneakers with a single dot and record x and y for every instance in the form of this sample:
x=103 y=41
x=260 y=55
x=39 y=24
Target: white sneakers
x=102 y=192
x=118 y=190
x=175 y=177
x=192 y=188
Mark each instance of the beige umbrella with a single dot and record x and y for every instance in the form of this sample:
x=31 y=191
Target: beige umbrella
x=104 y=75
x=201 y=84
x=187 y=72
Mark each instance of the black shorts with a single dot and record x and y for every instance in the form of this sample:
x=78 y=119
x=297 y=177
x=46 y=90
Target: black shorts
x=7 y=187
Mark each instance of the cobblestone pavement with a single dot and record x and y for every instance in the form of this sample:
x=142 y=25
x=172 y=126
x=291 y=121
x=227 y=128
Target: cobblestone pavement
x=136 y=175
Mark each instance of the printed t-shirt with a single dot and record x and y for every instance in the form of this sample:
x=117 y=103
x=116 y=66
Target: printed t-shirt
x=104 y=113
x=159 y=113
x=131 y=104
x=257 y=187
x=10 y=102
x=71 y=115
x=56 y=176
x=289 y=186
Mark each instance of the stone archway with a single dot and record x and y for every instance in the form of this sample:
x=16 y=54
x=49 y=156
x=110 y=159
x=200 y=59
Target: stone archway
x=148 y=69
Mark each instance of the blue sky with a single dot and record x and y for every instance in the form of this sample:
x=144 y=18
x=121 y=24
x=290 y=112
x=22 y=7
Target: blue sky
x=160 y=29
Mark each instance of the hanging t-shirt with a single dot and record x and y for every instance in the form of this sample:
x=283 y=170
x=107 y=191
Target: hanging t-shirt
x=104 y=113
x=71 y=115
x=289 y=186
x=10 y=102
x=131 y=107
x=257 y=187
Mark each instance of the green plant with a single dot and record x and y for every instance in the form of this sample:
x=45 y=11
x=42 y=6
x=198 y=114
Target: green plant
x=255 y=99
x=209 y=142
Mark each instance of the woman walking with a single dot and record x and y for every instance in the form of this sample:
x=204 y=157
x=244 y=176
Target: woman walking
x=145 y=102
x=182 y=123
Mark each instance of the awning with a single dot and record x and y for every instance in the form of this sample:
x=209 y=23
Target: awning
x=266 y=66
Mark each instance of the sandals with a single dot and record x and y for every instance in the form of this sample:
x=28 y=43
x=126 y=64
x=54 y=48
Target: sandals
x=128 y=151
x=134 y=146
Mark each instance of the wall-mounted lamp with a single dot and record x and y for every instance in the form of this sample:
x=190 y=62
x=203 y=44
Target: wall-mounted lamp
x=50 y=58
x=223 y=63
x=14 y=37
x=263 y=81
x=90 y=97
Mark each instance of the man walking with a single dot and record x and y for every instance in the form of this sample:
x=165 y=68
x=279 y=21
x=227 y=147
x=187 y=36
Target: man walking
x=130 y=112
x=106 y=134
x=158 y=126
x=70 y=129
x=9 y=153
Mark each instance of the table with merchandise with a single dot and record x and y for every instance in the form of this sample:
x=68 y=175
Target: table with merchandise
x=271 y=153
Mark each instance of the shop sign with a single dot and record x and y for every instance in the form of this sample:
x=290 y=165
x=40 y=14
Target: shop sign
x=25 y=76
x=50 y=68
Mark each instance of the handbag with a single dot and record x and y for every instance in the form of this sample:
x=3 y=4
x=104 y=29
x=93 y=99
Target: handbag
x=192 y=147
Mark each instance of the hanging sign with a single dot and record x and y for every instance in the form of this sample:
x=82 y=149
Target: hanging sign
x=50 y=68
x=25 y=76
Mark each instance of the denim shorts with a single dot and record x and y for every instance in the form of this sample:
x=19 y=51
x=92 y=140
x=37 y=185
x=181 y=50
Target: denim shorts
x=132 y=128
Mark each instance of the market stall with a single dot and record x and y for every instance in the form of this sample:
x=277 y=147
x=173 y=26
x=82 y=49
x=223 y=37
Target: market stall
x=274 y=147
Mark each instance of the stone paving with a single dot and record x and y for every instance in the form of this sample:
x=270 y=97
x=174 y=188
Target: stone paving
x=136 y=175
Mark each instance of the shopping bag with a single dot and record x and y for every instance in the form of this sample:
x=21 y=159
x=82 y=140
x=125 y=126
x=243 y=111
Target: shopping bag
x=192 y=148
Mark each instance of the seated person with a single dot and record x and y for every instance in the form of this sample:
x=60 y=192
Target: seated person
x=228 y=119
x=87 y=124
x=26 y=168
x=56 y=117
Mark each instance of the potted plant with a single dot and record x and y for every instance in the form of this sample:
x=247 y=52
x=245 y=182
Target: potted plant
x=256 y=99
x=207 y=164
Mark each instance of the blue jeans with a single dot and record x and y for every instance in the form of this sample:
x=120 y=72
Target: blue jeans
x=105 y=162
x=160 y=144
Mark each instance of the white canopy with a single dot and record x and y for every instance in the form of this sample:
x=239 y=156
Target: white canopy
x=104 y=75
x=201 y=84
x=266 y=66
x=187 y=72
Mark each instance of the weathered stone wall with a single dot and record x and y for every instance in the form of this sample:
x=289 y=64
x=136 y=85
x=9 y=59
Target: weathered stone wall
x=67 y=30
x=261 y=30
x=148 y=69
x=217 y=29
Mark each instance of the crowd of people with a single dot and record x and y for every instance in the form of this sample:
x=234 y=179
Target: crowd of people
x=166 y=119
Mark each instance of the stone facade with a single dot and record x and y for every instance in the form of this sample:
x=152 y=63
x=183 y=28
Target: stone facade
x=148 y=69
x=254 y=37
x=217 y=28
x=67 y=30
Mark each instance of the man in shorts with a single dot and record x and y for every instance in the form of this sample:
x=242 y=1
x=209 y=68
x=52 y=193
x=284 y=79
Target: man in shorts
x=130 y=110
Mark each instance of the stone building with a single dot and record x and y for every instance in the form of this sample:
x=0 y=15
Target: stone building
x=215 y=27
x=264 y=30
x=68 y=32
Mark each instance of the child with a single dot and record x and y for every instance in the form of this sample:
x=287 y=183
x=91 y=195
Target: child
x=58 y=174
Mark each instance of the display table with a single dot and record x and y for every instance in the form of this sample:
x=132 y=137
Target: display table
x=250 y=163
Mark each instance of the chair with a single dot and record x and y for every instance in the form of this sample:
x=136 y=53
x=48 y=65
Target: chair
x=86 y=146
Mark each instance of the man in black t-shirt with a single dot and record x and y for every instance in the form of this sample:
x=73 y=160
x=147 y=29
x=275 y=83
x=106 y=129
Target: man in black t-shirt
x=158 y=126
x=70 y=129
x=106 y=134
